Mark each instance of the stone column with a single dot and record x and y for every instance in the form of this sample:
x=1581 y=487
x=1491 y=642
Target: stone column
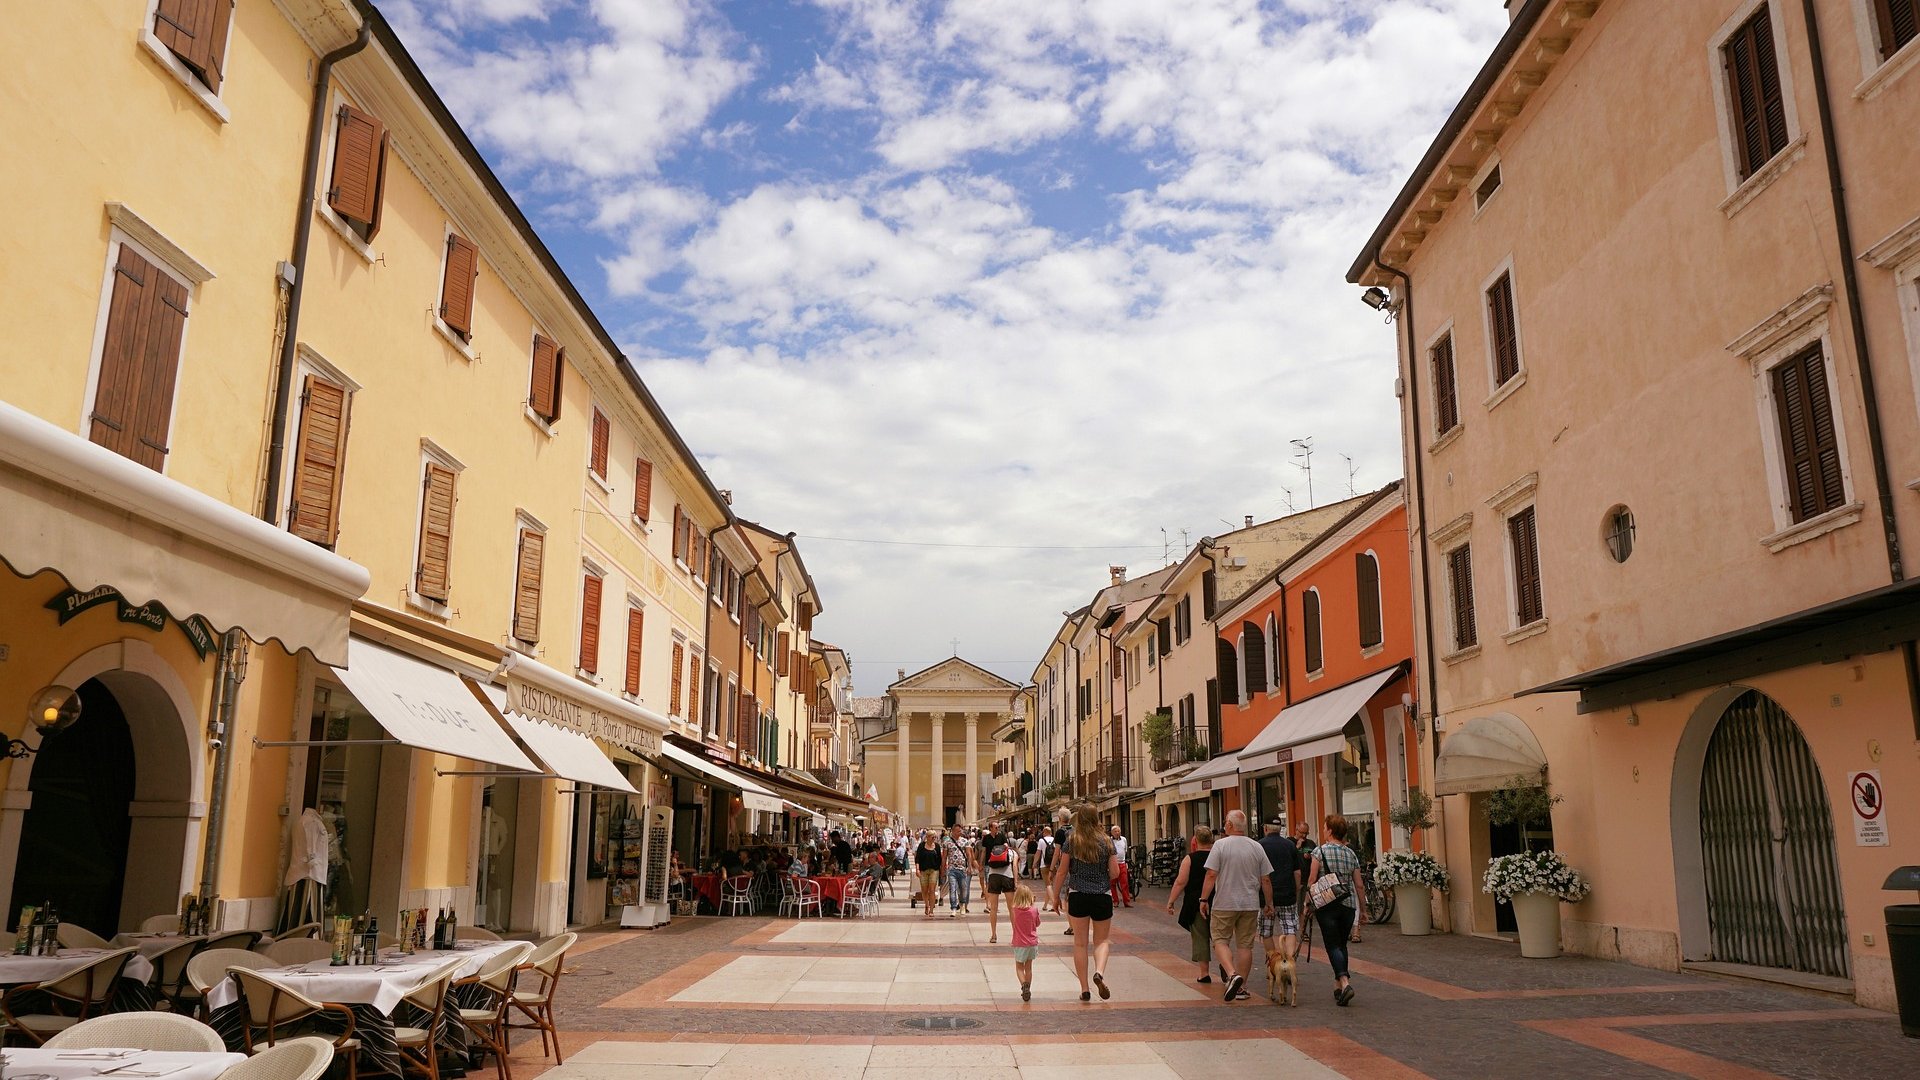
x=936 y=758
x=973 y=767
x=903 y=780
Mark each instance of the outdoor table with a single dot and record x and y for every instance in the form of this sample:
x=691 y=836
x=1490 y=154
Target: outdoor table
x=143 y=1064
x=152 y=945
x=707 y=885
x=833 y=887
x=130 y=994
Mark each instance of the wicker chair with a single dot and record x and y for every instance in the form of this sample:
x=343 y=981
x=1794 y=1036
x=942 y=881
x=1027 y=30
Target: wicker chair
x=208 y=968
x=160 y=924
x=289 y=1059
x=474 y=933
x=140 y=1031
x=545 y=964
x=87 y=988
x=170 y=968
x=419 y=1045
x=233 y=939
x=304 y=930
x=75 y=936
x=276 y=1012
x=296 y=950
x=488 y=1021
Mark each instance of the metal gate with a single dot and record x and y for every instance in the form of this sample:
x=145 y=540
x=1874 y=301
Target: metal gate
x=1766 y=837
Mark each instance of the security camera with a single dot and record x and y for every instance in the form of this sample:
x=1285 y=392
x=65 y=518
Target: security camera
x=1377 y=298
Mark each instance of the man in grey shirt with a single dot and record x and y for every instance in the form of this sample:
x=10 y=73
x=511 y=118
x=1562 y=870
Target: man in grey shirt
x=1238 y=889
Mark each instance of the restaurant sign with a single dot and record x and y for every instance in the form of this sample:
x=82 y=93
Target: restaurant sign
x=71 y=602
x=575 y=715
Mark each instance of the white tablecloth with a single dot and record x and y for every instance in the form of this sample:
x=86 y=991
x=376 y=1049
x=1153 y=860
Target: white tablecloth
x=137 y=1065
x=379 y=985
x=152 y=945
x=17 y=970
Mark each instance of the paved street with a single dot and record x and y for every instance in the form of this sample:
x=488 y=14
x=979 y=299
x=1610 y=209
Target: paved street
x=719 y=998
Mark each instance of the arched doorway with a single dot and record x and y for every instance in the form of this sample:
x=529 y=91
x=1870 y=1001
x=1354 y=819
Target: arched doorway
x=1771 y=875
x=73 y=842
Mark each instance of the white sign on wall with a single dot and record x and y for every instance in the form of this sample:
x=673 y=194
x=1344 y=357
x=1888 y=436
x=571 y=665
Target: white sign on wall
x=1869 y=808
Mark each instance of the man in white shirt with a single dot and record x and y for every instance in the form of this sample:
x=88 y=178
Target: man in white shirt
x=1238 y=889
x=1123 y=887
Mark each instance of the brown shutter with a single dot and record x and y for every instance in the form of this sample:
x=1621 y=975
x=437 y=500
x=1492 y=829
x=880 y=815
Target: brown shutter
x=636 y=622
x=1521 y=532
x=1310 y=620
x=786 y=653
x=1506 y=337
x=1808 y=444
x=526 y=587
x=590 y=625
x=359 y=168
x=432 y=579
x=456 y=285
x=1466 y=631
x=674 y=683
x=543 y=384
x=1899 y=22
x=695 y=679
x=602 y=431
x=1753 y=85
x=319 y=462
x=1255 y=644
x=196 y=32
x=679 y=533
x=1366 y=574
x=1446 y=397
x=139 y=360
x=643 y=489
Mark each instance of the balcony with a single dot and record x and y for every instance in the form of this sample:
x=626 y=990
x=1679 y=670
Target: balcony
x=1116 y=773
x=1186 y=746
x=834 y=776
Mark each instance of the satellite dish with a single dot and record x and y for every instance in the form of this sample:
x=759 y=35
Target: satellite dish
x=53 y=710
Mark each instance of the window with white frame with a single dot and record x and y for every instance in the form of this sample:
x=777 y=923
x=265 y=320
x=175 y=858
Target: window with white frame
x=1506 y=365
x=140 y=336
x=1459 y=584
x=1310 y=629
x=1523 y=562
x=1753 y=92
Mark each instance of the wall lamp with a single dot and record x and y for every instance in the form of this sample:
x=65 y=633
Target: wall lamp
x=52 y=711
x=1377 y=298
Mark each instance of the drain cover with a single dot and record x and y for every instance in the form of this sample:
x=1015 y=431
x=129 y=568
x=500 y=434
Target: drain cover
x=589 y=972
x=940 y=1023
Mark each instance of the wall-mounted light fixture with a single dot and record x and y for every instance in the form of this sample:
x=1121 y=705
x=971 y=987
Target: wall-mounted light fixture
x=51 y=711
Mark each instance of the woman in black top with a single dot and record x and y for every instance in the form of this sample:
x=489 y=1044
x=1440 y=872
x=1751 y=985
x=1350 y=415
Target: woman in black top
x=1186 y=889
x=926 y=859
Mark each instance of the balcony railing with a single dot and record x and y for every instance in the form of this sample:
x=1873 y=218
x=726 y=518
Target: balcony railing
x=1187 y=745
x=1116 y=773
x=834 y=776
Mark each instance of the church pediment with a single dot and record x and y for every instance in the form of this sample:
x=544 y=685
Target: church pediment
x=951 y=675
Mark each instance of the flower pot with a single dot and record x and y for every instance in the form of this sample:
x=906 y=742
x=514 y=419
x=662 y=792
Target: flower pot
x=1538 y=917
x=1414 y=905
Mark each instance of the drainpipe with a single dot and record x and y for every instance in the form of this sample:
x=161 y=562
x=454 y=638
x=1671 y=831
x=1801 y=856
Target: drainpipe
x=1857 y=326
x=231 y=672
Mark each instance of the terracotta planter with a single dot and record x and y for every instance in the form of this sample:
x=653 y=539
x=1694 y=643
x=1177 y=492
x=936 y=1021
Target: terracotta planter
x=1413 y=905
x=1538 y=917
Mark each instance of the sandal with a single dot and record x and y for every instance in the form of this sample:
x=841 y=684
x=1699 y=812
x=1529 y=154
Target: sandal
x=1085 y=996
x=1100 y=981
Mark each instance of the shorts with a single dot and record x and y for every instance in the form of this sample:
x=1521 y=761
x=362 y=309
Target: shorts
x=1095 y=906
x=1024 y=954
x=997 y=884
x=1285 y=921
x=1234 y=927
x=1202 y=934
x=929 y=879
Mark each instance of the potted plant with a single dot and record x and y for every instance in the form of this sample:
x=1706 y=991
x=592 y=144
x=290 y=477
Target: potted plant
x=1156 y=730
x=1536 y=883
x=1414 y=876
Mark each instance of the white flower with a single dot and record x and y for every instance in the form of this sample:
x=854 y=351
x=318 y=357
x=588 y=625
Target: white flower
x=1545 y=872
x=1411 y=868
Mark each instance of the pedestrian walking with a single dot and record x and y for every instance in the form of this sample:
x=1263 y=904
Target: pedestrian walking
x=1280 y=932
x=1043 y=853
x=996 y=859
x=1336 y=900
x=1123 y=886
x=1019 y=846
x=1084 y=876
x=1063 y=829
x=1186 y=893
x=1026 y=938
x=1239 y=888
x=959 y=871
x=927 y=859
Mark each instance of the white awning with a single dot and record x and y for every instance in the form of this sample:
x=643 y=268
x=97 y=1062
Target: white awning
x=101 y=521
x=1313 y=727
x=1485 y=753
x=1218 y=774
x=567 y=754
x=752 y=795
x=538 y=692
x=427 y=707
x=796 y=810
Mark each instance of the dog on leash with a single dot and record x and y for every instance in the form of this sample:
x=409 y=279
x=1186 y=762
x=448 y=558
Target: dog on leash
x=1282 y=981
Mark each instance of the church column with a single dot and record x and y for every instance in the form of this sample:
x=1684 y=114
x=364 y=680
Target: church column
x=936 y=759
x=903 y=780
x=973 y=767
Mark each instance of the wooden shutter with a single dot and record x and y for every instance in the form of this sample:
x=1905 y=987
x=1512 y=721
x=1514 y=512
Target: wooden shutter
x=1165 y=635
x=1366 y=578
x=139 y=361
x=636 y=622
x=1522 y=534
x=1460 y=571
x=1506 y=334
x=319 y=462
x=1209 y=596
x=1753 y=88
x=1254 y=643
x=1310 y=622
x=806 y=618
x=696 y=677
x=432 y=579
x=1899 y=22
x=590 y=624
x=1227 y=664
x=196 y=32
x=456 y=285
x=1809 y=447
x=602 y=432
x=526 y=587
x=786 y=653
x=1446 y=395
x=543 y=389
x=643 y=489
x=679 y=533
x=359 y=169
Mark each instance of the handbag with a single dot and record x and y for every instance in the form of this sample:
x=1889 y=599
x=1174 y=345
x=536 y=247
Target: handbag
x=1328 y=890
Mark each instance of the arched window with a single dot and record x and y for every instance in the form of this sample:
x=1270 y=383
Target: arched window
x=1310 y=625
x=1366 y=581
x=1227 y=665
x=1253 y=652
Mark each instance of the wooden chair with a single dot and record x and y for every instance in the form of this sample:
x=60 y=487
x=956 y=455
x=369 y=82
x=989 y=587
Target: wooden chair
x=140 y=1031
x=486 y=1017
x=419 y=1044
x=207 y=968
x=87 y=989
x=170 y=969
x=545 y=965
x=277 y=1012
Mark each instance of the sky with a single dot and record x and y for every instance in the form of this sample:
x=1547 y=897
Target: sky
x=978 y=297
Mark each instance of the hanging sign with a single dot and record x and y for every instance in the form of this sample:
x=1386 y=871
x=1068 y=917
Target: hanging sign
x=71 y=602
x=1869 y=808
x=533 y=702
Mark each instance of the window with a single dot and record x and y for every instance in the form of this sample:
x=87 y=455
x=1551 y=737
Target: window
x=680 y=534
x=312 y=486
x=1488 y=184
x=1227 y=671
x=1466 y=633
x=590 y=586
x=526 y=585
x=1809 y=445
x=597 y=455
x=1503 y=331
x=636 y=623
x=732 y=710
x=195 y=31
x=545 y=380
x=1154 y=645
x=1618 y=533
x=1253 y=651
x=359 y=171
x=432 y=576
x=461 y=268
x=1273 y=651
x=1755 y=100
x=1897 y=22
x=1209 y=595
x=1366 y=580
x=1446 y=390
x=1163 y=631
x=132 y=412
x=1310 y=628
x=1523 y=543
x=785 y=655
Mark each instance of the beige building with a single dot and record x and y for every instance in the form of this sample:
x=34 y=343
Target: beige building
x=932 y=767
x=1656 y=286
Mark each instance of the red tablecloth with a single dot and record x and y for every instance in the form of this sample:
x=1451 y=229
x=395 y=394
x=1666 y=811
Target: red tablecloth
x=706 y=885
x=833 y=887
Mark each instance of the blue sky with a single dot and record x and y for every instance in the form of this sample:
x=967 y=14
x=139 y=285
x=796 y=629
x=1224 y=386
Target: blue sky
x=1056 y=280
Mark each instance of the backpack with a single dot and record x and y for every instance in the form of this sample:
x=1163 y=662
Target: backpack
x=999 y=856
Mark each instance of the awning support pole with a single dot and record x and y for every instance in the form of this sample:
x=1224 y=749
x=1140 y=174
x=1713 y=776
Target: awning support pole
x=499 y=773
x=266 y=744
x=229 y=674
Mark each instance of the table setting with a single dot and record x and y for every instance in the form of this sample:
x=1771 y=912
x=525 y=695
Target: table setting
x=42 y=1063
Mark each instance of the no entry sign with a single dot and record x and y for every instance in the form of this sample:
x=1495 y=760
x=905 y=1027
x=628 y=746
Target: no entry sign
x=1869 y=808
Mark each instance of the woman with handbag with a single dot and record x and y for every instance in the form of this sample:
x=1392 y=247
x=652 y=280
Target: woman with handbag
x=1335 y=897
x=1186 y=890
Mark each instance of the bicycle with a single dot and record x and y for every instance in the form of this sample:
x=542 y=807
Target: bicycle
x=1380 y=903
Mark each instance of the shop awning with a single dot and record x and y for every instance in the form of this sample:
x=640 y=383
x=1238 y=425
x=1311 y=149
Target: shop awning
x=538 y=692
x=1220 y=773
x=796 y=810
x=1485 y=753
x=1313 y=727
x=1169 y=795
x=104 y=523
x=752 y=795
x=566 y=754
x=427 y=707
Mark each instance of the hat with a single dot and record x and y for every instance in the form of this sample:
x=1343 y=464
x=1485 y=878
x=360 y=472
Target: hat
x=1278 y=821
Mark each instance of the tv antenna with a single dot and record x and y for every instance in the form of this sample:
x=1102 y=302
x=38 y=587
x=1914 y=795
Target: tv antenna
x=1303 y=450
x=1351 y=472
